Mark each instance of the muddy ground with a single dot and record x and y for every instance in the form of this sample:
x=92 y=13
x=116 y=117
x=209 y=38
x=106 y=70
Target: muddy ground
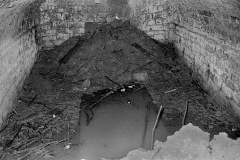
x=102 y=63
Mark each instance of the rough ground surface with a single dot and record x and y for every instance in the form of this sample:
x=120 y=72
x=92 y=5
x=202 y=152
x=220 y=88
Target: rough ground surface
x=113 y=56
x=190 y=142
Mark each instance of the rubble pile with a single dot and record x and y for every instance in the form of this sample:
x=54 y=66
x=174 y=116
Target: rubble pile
x=110 y=56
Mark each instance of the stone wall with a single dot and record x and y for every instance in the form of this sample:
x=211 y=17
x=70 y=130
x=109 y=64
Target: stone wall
x=154 y=17
x=209 y=40
x=61 y=20
x=206 y=35
x=18 y=51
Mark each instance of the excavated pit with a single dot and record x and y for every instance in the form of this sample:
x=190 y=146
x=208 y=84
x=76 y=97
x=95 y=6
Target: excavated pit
x=71 y=83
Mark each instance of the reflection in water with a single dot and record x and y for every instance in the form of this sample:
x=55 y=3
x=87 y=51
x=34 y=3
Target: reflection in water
x=120 y=124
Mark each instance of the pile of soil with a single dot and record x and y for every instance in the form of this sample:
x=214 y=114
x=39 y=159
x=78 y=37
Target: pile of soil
x=110 y=53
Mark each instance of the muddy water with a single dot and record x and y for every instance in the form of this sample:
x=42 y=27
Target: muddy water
x=117 y=128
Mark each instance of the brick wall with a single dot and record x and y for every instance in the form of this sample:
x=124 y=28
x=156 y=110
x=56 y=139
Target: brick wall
x=17 y=51
x=153 y=17
x=207 y=37
x=61 y=20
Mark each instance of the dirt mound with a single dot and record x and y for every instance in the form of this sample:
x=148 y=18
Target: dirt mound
x=110 y=53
